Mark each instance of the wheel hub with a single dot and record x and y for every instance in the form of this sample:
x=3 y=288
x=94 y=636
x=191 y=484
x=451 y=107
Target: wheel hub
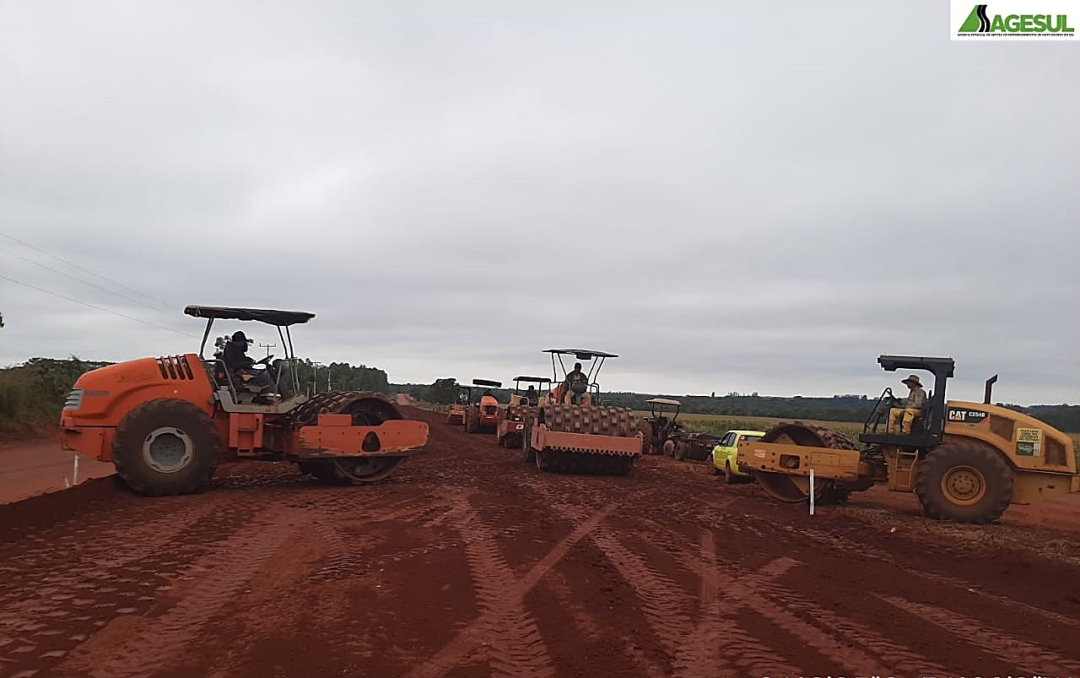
x=963 y=485
x=168 y=450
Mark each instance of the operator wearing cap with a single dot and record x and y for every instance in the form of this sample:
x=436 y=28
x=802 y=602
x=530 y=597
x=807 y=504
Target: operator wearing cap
x=914 y=405
x=238 y=362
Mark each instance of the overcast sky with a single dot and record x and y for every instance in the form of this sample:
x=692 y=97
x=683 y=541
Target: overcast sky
x=731 y=196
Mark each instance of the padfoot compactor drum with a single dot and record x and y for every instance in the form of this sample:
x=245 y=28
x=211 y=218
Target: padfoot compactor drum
x=575 y=432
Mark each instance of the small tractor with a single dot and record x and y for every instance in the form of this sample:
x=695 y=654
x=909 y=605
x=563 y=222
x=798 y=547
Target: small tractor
x=658 y=427
x=667 y=436
x=511 y=424
x=165 y=423
x=965 y=461
x=573 y=432
x=482 y=415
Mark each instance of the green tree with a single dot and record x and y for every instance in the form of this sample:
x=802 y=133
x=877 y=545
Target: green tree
x=443 y=391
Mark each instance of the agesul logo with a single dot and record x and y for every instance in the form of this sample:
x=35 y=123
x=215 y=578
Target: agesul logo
x=1014 y=20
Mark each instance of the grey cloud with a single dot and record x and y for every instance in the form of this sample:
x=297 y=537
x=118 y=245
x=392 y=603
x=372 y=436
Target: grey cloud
x=731 y=197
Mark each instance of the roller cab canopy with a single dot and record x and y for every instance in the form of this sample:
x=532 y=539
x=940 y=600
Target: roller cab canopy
x=487 y=382
x=664 y=401
x=594 y=358
x=581 y=353
x=537 y=380
x=279 y=319
x=659 y=405
x=262 y=315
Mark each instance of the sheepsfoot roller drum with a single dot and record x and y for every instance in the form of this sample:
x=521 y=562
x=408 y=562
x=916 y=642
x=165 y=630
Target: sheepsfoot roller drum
x=353 y=437
x=582 y=439
x=782 y=459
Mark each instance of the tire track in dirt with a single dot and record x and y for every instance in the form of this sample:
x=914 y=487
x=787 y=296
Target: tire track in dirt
x=903 y=660
x=54 y=591
x=856 y=647
x=666 y=606
x=718 y=642
x=1071 y=622
x=341 y=561
x=224 y=572
x=559 y=586
x=470 y=637
x=418 y=551
x=345 y=557
x=699 y=655
x=513 y=642
x=647 y=666
x=760 y=592
x=840 y=543
x=753 y=655
x=1027 y=657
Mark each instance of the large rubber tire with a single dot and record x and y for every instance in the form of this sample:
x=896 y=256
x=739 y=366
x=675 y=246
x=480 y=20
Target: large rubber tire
x=680 y=451
x=669 y=448
x=713 y=471
x=166 y=446
x=527 y=452
x=472 y=420
x=966 y=482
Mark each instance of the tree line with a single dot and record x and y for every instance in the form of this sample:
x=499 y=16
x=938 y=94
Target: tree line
x=34 y=393
x=838 y=408
x=340 y=377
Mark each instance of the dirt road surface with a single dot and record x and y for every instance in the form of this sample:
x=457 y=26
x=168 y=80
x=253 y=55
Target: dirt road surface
x=30 y=468
x=467 y=564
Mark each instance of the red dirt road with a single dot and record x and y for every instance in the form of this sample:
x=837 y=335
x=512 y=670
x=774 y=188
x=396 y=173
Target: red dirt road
x=32 y=467
x=466 y=564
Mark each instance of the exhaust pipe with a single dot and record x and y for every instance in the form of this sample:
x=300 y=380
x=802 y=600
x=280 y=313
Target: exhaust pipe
x=989 y=388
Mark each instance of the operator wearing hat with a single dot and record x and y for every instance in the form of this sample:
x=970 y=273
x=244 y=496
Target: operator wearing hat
x=238 y=362
x=913 y=406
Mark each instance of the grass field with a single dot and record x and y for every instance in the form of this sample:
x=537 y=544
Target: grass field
x=719 y=424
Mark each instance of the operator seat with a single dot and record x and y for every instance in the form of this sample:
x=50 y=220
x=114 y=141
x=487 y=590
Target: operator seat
x=576 y=391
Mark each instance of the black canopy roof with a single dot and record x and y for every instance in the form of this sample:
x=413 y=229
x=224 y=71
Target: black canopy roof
x=535 y=379
x=486 y=382
x=262 y=315
x=581 y=353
